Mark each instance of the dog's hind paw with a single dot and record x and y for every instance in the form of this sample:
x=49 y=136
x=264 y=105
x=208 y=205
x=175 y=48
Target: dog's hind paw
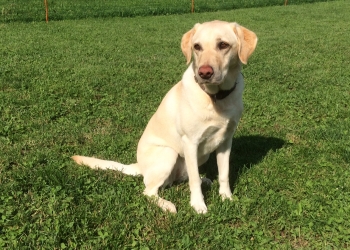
x=166 y=205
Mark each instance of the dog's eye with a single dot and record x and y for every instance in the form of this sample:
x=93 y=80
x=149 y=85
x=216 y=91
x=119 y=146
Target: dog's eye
x=197 y=47
x=223 y=45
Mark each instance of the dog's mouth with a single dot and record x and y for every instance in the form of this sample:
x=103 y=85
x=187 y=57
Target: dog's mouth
x=211 y=81
x=214 y=91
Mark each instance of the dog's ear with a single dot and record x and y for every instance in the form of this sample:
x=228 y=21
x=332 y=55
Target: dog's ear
x=186 y=45
x=247 y=41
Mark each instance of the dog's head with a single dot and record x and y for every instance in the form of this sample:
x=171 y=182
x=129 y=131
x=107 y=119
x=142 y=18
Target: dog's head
x=217 y=46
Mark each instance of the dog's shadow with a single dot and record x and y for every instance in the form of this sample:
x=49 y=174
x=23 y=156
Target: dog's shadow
x=246 y=152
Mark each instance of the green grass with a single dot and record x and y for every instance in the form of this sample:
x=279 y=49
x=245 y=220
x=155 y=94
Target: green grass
x=34 y=10
x=89 y=87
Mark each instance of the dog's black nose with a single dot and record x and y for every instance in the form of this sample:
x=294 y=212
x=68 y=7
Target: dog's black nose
x=205 y=72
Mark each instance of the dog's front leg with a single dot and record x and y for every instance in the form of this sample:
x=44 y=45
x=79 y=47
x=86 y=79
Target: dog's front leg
x=223 y=161
x=197 y=199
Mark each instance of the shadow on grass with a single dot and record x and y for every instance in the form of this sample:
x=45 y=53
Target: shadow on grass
x=246 y=152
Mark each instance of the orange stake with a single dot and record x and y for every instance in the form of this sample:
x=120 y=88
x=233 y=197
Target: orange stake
x=47 y=11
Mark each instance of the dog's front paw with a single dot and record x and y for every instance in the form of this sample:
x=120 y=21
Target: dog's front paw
x=226 y=194
x=199 y=206
x=225 y=197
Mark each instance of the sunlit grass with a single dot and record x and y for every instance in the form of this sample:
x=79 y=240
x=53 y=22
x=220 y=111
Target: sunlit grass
x=90 y=86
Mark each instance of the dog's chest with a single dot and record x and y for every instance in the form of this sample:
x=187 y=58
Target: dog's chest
x=214 y=133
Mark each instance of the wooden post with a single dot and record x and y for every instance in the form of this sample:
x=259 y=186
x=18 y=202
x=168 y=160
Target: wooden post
x=47 y=11
x=285 y=2
x=192 y=9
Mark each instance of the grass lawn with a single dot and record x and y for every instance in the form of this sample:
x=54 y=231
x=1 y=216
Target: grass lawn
x=89 y=87
x=34 y=10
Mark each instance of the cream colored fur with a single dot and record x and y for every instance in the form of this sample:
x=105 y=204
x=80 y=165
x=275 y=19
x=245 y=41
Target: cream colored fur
x=188 y=125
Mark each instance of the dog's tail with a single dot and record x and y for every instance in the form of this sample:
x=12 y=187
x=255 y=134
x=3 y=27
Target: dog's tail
x=94 y=163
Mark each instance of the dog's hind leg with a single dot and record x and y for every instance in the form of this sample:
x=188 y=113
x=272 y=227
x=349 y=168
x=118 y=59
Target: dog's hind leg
x=160 y=163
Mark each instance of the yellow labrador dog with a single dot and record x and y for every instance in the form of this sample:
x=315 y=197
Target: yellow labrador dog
x=198 y=116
